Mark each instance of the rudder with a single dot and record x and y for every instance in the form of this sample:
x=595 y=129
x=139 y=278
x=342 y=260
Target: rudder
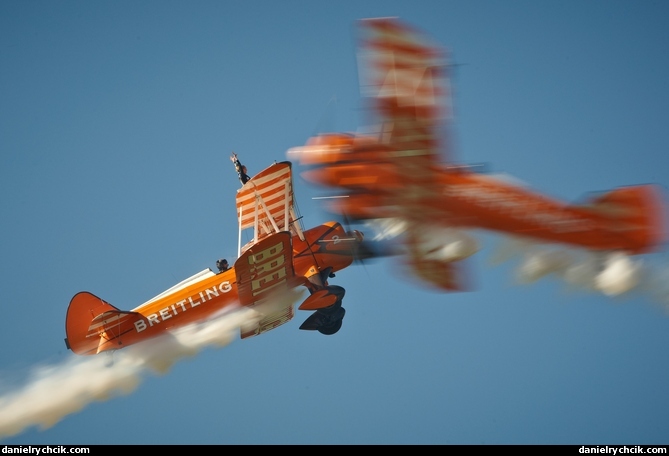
x=81 y=336
x=642 y=208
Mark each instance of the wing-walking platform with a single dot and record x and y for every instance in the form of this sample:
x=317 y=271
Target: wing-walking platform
x=265 y=204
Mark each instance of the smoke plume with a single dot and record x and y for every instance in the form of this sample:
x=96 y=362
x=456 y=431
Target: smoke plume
x=611 y=273
x=54 y=391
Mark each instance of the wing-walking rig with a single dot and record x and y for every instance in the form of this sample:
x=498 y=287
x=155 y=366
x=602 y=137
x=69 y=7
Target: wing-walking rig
x=272 y=270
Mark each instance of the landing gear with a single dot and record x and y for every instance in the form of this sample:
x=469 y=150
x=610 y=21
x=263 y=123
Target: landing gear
x=332 y=323
x=327 y=320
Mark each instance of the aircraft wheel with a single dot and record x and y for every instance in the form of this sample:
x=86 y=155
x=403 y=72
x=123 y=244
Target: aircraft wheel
x=334 y=323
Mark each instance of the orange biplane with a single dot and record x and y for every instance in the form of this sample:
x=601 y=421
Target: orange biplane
x=282 y=256
x=393 y=174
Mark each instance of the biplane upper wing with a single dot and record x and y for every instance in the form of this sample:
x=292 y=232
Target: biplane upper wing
x=265 y=204
x=403 y=80
x=404 y=83
x=393 y=170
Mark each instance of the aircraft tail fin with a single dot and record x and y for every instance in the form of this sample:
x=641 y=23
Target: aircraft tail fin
x=638 y=213
x=92 y=324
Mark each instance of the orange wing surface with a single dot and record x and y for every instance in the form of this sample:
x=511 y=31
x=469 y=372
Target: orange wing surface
x=404 y=83
x=265 y=204
x=265 y=276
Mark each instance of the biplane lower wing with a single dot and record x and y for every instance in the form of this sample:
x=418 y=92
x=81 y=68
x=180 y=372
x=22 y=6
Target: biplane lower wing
x=265 y=277
x=92 y=323
x=434 y=264
x=440 y=275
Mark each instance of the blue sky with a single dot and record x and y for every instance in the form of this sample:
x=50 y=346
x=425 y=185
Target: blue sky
x=116 y=125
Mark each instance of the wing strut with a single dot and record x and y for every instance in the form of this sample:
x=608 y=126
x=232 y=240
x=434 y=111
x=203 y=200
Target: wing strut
x=239 y=236
x=266 y=205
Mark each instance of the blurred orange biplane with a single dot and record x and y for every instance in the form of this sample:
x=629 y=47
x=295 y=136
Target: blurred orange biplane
x=393 y=174
x=281 y=257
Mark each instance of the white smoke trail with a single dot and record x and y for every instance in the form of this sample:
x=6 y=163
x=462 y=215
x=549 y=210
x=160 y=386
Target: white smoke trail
x=55 y=391
x=613 y=273
x=59 y=390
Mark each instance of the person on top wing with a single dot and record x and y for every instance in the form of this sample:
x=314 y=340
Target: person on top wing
x=241 y=169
